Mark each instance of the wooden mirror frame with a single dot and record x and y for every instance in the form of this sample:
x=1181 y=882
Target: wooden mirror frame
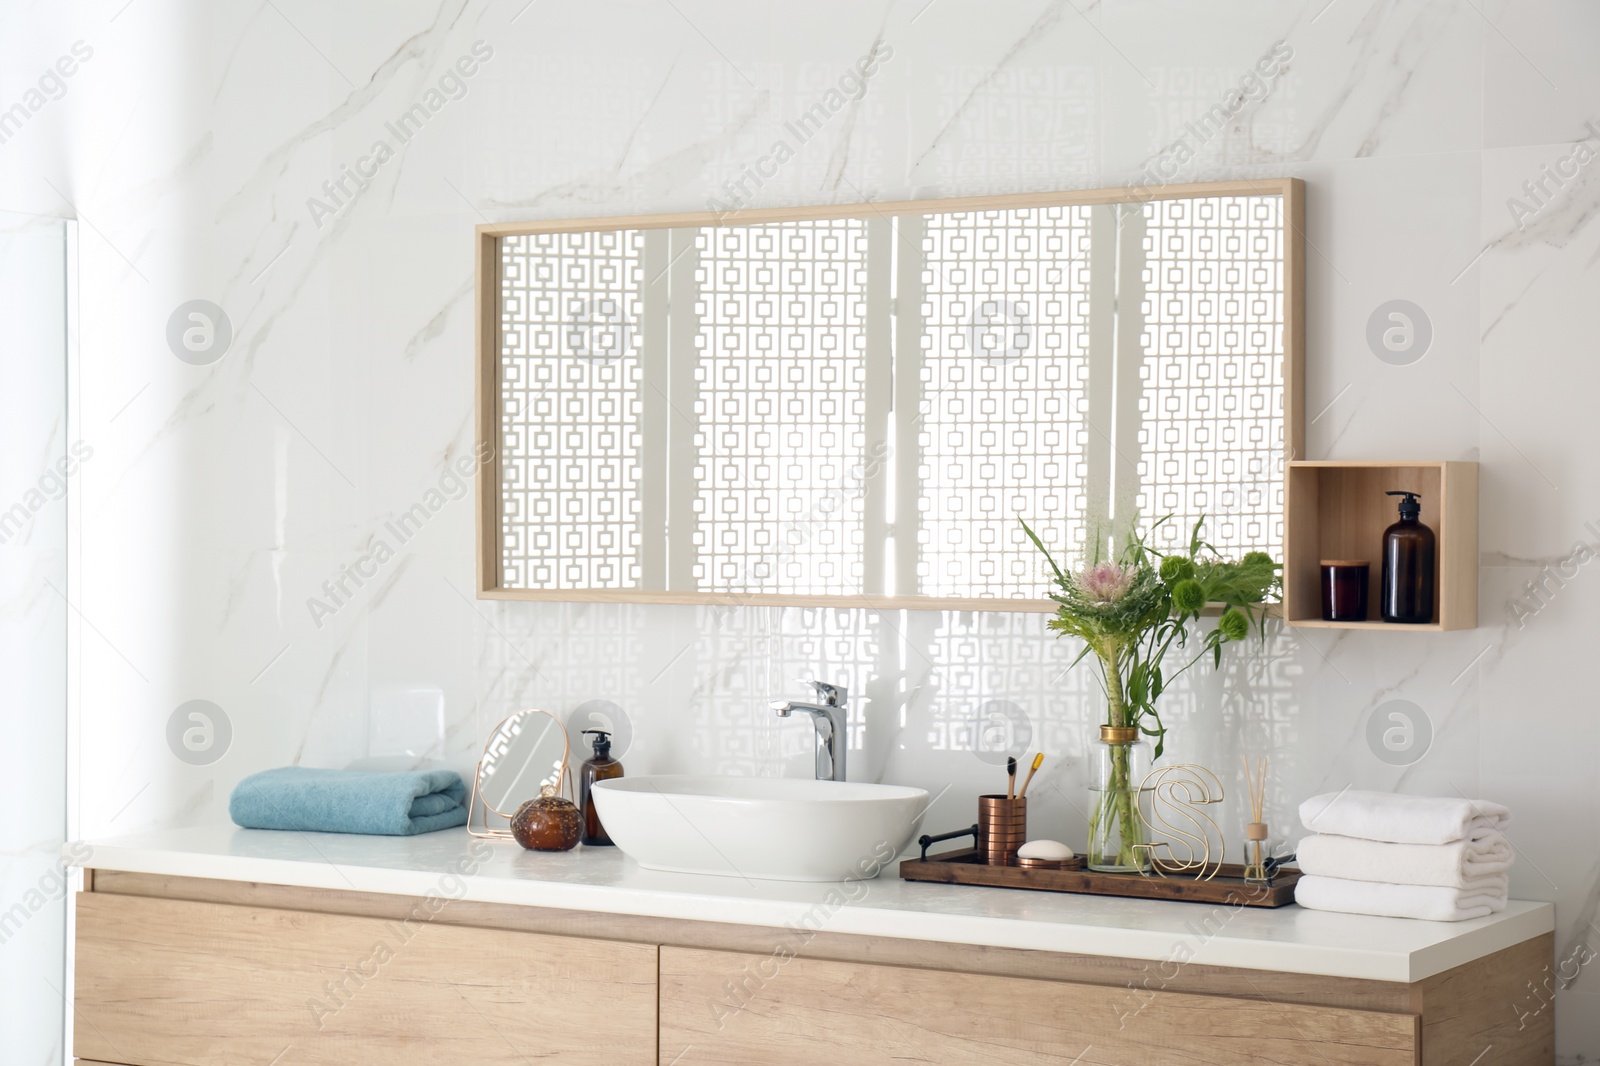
x=487 y=396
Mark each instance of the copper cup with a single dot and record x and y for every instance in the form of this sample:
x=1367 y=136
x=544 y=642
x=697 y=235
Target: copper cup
x=1002 y=829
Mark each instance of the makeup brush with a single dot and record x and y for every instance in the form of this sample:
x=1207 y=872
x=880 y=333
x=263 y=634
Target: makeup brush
x=1011 y=774
x=1038 y=760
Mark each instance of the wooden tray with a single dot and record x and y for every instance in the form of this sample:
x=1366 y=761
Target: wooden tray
x=965 y=867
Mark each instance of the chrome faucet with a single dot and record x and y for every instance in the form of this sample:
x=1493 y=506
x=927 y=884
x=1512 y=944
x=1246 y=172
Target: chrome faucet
x=831 y=716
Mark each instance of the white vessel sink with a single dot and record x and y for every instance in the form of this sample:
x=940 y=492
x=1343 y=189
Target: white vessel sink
x=771 y=828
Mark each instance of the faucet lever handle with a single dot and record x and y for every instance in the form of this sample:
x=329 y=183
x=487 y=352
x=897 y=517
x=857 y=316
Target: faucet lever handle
x=832 y=695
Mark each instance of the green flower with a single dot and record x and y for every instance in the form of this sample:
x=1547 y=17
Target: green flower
x=1257 y=559
x=1176 y=568
x=1188 y=597
x=1233 y=624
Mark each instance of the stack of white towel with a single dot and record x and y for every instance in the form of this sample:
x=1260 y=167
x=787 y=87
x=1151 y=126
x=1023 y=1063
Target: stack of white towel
x=1403 y=856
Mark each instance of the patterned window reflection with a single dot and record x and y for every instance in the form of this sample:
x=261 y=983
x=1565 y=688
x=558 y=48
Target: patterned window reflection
x=867 y=406
x=570 y=409
x=1212 y=435
x=1005 y=348
x=781 y=371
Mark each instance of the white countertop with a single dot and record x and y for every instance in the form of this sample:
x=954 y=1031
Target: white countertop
x=602 y=879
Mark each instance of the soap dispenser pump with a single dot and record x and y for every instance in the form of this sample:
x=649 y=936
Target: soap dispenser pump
x=1408 y=558
x=600 y=767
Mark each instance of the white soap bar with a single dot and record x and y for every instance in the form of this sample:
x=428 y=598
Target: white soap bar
x=1049 y=850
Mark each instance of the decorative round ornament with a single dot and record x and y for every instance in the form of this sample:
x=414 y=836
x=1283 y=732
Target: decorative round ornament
x=549 y=823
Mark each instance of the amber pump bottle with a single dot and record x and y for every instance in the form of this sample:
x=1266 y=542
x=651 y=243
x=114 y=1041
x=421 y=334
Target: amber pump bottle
x=1408 y=555
x=601 y=767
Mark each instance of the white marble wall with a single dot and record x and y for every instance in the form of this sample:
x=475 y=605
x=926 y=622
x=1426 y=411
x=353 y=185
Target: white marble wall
x=222 y=495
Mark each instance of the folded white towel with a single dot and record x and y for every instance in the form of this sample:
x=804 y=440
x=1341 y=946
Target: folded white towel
x=1430 y=902
x=1461 y=864
x=1401 y=819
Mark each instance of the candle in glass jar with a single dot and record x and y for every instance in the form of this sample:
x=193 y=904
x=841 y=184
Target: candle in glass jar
x=1344 y=590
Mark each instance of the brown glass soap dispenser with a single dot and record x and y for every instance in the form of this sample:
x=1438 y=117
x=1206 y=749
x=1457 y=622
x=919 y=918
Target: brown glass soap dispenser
x=1408 y=554
x=602 y=767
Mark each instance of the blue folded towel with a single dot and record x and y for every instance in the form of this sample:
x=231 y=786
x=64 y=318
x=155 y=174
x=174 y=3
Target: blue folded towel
x=350 y=801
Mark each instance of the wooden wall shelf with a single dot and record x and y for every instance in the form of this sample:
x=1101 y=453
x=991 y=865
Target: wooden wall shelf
x=1338 y=510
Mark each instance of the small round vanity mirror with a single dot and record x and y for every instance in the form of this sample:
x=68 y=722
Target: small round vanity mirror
x=526 y=752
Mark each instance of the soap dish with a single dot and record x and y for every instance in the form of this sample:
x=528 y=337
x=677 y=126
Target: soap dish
x=1051 y=864
x=1048 y=855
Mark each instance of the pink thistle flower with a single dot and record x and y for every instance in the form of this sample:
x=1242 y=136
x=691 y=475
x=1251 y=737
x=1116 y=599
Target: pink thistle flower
x=1104 y=582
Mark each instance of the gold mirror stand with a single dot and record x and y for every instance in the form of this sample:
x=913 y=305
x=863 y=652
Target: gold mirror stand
x=495 y=748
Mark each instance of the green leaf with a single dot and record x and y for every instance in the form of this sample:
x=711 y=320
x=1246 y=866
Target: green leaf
x=1037 y=543
x=1159 y=732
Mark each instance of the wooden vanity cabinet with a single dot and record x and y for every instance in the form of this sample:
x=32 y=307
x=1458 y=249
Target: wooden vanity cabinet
x=176 y=981
x=736 y=1009
x=188 y=971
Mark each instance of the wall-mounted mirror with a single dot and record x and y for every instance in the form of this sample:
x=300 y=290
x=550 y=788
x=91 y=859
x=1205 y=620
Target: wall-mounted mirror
x=525 y=752
x=855 y=405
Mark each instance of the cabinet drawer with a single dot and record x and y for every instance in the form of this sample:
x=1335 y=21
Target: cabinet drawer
x=726 y=1007
x=208 y=984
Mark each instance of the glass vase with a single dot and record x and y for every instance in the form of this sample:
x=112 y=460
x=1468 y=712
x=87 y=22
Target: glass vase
x=1119 y=761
